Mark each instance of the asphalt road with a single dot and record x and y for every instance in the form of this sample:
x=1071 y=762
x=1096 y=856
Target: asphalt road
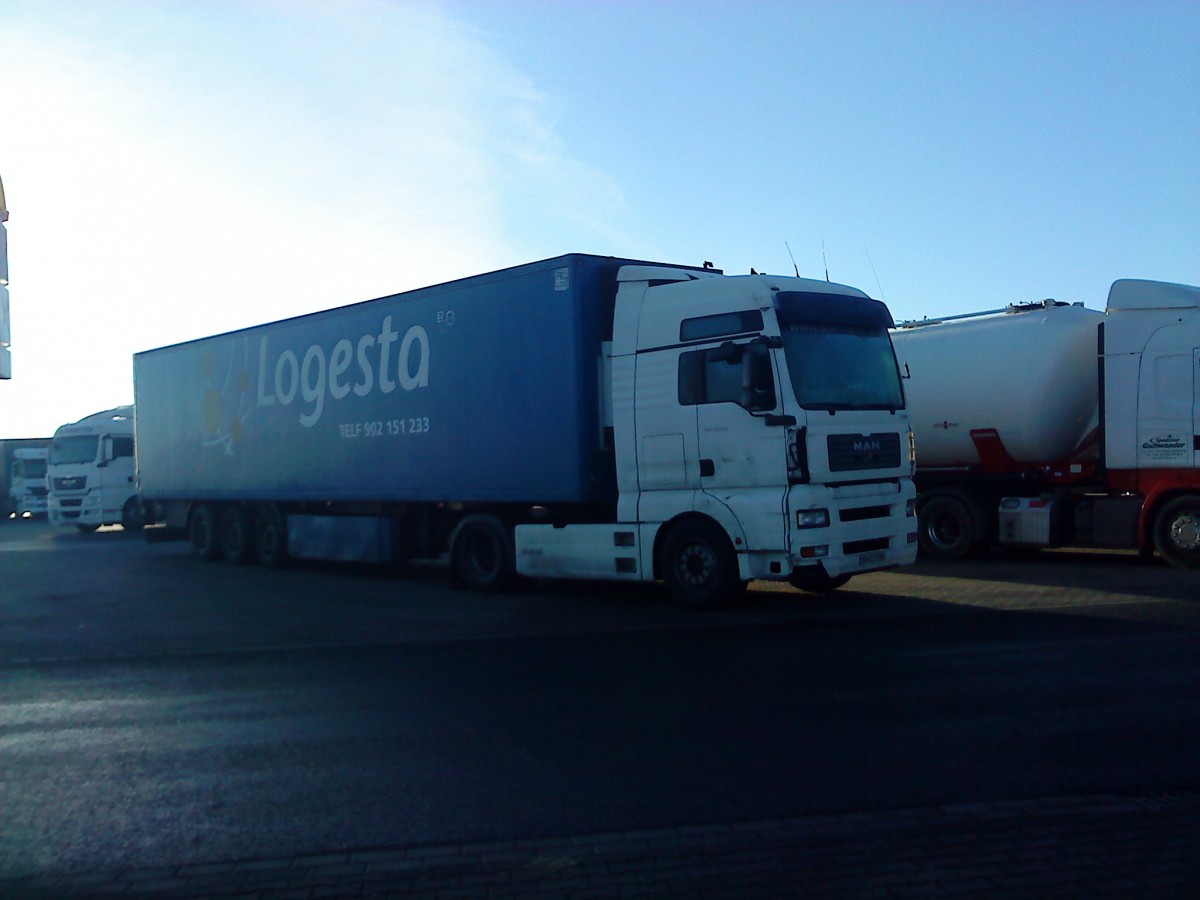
x=160 y=711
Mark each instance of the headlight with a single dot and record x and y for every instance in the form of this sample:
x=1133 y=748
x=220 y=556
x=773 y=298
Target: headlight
x=812 y=518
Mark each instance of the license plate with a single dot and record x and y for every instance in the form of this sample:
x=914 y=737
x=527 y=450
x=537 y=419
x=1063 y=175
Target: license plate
x=875 y=556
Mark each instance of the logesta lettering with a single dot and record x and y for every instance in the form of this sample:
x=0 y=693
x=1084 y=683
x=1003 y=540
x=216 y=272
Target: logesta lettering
x=372 y=361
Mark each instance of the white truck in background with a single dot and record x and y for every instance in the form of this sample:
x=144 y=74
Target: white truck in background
x=1053 y=425
x=90 y=473
x=28 y=484
x=9 y=447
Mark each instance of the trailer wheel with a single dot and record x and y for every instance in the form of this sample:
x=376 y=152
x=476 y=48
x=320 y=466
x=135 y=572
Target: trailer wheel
x=946 y=527
x=699 y=567
x=815 y=580
x=1177 y=532
x=133 y=516
x=236 y=540
x=482 y=556
x=270 y=537
x=202 y=532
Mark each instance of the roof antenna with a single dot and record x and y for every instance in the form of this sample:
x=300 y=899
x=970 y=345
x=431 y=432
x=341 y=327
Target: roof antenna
x=794 y=266
x=824 y=260
x=876 y=274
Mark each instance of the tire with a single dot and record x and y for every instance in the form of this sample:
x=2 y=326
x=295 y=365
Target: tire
x=203 y=532
x=815 y=580
x=133 y=516
x=1177 y=532
x=947 y=528
x=270 y=537
x=237 y=541
x=482 y=558
x=699 y=567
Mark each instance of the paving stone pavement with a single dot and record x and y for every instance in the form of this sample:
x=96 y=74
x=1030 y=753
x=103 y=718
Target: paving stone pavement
x=1100 y=846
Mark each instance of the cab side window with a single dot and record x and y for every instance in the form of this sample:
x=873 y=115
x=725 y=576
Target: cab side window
x=718 y=375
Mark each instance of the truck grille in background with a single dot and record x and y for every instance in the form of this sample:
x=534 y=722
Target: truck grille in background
x=859 y=452
x=864 y=512
x=37 y=492
x=74 y=483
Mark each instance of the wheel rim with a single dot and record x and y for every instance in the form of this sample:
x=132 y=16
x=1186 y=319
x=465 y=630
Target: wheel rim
x=268 y=537
x=1184 y=532
x=696 y=565
x=233 y=535
x=945 y=531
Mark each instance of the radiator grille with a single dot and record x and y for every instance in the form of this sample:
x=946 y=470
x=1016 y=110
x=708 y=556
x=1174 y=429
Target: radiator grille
x=859 y=452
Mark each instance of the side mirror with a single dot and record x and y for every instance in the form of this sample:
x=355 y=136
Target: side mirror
x=728 y=352
x=758 y=378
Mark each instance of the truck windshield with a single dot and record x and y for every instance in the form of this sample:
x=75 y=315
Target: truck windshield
x=30 y=468
x=73 y=450
x=842 y=367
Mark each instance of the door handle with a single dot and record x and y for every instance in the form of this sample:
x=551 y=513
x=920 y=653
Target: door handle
x=707 y=468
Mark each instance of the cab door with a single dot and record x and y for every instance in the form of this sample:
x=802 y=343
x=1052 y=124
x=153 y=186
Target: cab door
x=735 y=394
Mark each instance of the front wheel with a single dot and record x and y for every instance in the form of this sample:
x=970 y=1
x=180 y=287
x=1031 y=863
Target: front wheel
x=133 y=516
x=699 y=566
x=1177 y=532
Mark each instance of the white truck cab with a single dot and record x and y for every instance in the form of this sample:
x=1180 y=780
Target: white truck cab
x=759 y=414
x=90 y=473
x=28 y=488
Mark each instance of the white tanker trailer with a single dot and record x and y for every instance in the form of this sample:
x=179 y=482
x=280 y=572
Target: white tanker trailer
x=1054 y=425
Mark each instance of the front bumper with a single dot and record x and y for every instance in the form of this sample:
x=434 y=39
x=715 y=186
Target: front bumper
x=870 y=526
x=76 y=509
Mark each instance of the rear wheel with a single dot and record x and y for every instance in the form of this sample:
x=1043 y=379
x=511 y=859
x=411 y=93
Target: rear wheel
x=947 y=527
x=1177 y=532
x=699 y=567
x=236 y=540
x=202 y=532
x=482 y=556
x=270 y=537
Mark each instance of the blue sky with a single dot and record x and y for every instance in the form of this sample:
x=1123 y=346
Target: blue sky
x=178 y=169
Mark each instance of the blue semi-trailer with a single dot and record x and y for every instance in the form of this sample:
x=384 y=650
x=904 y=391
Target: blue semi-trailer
x=581 y=416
